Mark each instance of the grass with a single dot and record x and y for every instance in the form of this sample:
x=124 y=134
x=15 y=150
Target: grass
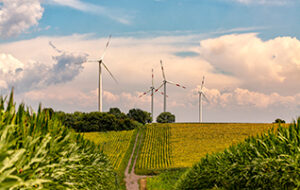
x=166 y=180
x=138 y=147
x=169 y=146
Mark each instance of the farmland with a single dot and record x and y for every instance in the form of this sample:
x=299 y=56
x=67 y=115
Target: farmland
x=117 y=146
x=168 y=146
x=155 y=152
x=269 y=161
x=114 y=144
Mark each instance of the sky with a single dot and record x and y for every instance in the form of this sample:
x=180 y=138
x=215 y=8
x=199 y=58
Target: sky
x=248 y=51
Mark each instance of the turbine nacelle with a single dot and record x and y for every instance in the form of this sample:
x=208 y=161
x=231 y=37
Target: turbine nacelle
x=100 y=61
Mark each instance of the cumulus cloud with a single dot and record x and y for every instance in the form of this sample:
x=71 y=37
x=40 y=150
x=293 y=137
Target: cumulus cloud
x=246 y=98
x=242 y=72
x=264 y=66
x=34 y=74
x=17 y=16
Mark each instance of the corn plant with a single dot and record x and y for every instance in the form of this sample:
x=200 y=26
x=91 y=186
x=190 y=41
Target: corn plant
x=38 y=152
x=268 y=161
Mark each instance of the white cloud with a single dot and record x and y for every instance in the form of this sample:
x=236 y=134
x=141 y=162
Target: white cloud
x=34 y=74
x=246 y=98
x=242 y=72
x=17 y=16
x=264 y=66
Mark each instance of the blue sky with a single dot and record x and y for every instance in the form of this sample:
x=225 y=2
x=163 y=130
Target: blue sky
x=148 y=16
x=247 y=49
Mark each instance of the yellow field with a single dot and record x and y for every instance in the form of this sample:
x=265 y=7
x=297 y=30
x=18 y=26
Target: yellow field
x=187 y=143
x=155 y=153
x=114 y=144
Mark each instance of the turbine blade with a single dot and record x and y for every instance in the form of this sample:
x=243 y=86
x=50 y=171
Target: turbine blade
x=54 y=47
x=144 y=93
x=205 y=97
x=159 y=87
x=176 y=84
x=162 y=69
x=112 y=76
x=107 y=44
x=163 y=93
x=152 y=78
x=202 y=82
x=93 y=61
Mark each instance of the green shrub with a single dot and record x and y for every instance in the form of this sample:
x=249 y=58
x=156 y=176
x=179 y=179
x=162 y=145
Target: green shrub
x=269 y=161
x=140 y=116
x=114 y=120
x=165 y=117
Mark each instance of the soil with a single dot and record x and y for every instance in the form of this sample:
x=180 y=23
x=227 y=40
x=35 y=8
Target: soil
x=131 y=178
x=143 y=184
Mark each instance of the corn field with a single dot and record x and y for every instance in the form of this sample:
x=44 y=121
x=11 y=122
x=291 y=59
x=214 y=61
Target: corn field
x=114 y=144
x=269 y=161
x=168 y=146
x=37 y=152
x=155 y=152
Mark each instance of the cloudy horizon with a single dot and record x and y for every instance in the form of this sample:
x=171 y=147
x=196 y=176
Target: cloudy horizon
x=251 y=67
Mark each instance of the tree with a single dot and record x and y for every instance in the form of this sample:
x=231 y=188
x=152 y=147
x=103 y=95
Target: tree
x=165 y=117
x=279 y=121
x=117 y=112
x=114 y=111
x=140 y=116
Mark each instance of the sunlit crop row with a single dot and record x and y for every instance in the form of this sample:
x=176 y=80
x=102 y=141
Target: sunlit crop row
x=155 y=152
x=190 y=142
x=181 y=145
x=114 y=144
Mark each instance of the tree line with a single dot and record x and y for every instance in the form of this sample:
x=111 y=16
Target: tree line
x=113 y=120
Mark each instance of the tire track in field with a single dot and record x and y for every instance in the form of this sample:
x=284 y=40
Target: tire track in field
x=131 y=178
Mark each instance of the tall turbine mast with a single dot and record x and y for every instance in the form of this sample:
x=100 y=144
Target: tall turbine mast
x=164 y=84
x=200 y=92
x=100 y=61
x=152 y=88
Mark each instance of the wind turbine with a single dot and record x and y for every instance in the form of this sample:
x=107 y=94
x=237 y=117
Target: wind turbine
x=152 y=88
x=100 y=61
x=200 y=92
x=164 y=84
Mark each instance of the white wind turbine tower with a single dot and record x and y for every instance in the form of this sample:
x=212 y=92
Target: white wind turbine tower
x=152 y=95
x=100 y=61
x=152 y=88
x=164 y=84
x=200 y=92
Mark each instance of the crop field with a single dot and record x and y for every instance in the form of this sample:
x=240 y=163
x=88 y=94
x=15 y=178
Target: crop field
x=114 y=144
x=168 y=146
x=155 y=152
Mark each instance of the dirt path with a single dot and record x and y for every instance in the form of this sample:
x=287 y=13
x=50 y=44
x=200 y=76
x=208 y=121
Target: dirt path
x=131 y=178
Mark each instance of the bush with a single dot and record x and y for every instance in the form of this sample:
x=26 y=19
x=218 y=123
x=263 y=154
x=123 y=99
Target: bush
x=279 y=121
x=165 y=117
x=140 y=116
x=270 y=161
x=114 y=120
